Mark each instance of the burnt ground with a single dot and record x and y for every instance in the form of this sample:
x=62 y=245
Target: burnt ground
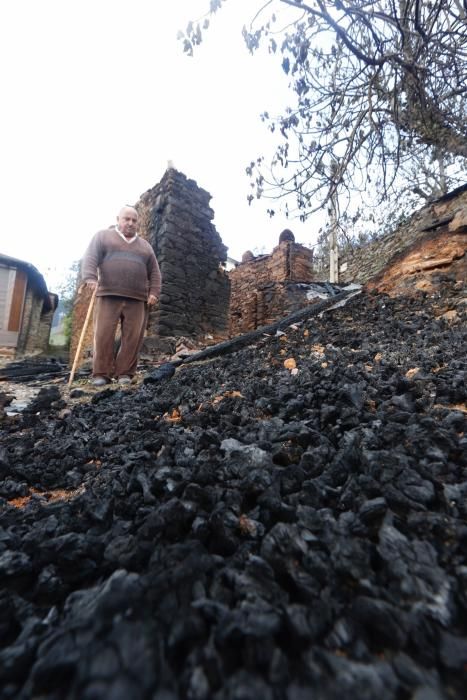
x=243 y=531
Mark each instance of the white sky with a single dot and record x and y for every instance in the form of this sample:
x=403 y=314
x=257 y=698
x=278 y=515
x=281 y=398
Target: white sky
x=97 y=96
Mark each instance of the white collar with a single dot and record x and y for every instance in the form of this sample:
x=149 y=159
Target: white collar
x=128 y=240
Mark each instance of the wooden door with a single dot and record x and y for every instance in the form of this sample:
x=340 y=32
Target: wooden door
x=12 y=289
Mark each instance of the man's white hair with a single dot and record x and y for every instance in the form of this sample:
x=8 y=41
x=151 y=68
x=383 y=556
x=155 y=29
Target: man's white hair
x=127 y=206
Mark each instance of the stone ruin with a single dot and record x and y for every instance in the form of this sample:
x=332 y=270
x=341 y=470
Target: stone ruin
x=266 y=287
x=433 y=239
x=419 y=255
x=176 y=219
x=201 y=301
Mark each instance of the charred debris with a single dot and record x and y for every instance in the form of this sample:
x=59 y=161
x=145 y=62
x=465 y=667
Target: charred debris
x=282 y=522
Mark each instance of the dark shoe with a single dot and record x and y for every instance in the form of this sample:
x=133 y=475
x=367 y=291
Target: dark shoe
x=99 y=381
x=124 y=379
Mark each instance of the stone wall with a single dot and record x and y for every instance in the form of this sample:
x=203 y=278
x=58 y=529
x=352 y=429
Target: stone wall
x=265 y=288
x=30 y=340
x=43 y=330
x=35 y=325
x=447 y=214
x=438 y=258
x=26 y=321
x=175 y=217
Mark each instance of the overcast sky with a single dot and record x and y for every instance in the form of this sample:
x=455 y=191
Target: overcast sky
x=97 y=97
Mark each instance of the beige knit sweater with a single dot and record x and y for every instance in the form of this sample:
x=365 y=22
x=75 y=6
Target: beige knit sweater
x=121 y=268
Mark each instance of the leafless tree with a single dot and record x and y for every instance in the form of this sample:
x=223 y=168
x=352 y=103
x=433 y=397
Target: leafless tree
x=378 y=85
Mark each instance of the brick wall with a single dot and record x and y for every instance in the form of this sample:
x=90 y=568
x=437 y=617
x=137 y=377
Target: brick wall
x=265 y=288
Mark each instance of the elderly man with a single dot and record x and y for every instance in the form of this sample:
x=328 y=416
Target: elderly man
x=125 y=271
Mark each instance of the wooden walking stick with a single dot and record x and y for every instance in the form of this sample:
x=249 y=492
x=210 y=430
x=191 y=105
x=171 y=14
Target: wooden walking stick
x=81 y=338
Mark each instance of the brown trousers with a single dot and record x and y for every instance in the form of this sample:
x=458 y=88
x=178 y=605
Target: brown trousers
x=132 y=316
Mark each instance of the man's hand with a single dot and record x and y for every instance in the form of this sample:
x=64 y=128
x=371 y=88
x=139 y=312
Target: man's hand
x=152 y=300
x=87 y=284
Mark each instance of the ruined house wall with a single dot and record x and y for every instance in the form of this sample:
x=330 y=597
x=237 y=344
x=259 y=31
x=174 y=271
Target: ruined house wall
x=25 y=321
x=448 y=214
x=265 y=288
x=43 y=330
x=438 y=258
x=35 y=327
x=29 y=339
x=175 y=217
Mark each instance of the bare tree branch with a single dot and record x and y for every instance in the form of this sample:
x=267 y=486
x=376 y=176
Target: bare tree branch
x=378 y=86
